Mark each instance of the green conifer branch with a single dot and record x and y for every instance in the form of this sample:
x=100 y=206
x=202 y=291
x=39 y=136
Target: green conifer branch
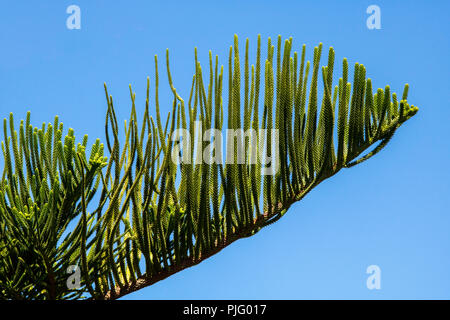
x=169 y=216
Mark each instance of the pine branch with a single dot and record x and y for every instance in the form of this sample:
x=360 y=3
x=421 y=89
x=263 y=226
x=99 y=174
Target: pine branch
x=169 y=215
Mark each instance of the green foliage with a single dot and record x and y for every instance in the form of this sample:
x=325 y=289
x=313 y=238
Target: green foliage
x=45 y=180
x=155 y=218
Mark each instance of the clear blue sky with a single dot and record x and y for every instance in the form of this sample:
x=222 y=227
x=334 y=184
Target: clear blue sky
x=391 y=211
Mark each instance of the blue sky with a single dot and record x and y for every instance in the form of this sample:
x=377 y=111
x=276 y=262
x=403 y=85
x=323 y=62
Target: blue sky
x=391 y=211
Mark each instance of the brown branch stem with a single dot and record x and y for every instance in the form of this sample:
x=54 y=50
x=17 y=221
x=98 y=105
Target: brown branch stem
x=258 y=224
